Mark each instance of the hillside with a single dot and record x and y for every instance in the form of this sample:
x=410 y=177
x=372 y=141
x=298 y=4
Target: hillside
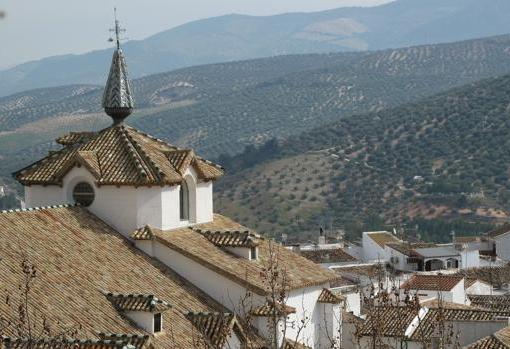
x=443 y=159
x=222 y=108
x=235 y=37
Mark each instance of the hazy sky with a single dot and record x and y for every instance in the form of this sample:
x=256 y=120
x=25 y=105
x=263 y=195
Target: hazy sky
x=34 y=29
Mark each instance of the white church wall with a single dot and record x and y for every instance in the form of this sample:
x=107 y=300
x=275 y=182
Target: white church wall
x=127 y=208
x=143 y=319
x=38 y=195
x=223 y=290
x=230 y=293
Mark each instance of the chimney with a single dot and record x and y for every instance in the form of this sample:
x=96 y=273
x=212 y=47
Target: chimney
x=322 y=237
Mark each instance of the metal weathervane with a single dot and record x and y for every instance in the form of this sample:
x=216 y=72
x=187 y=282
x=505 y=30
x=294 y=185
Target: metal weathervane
x=117 y=30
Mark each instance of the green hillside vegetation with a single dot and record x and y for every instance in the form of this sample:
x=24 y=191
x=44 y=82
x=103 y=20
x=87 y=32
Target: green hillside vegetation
x=431 y=163
x=219 y=109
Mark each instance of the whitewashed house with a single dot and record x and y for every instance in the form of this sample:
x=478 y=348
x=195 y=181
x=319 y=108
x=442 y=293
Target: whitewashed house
x=449 y=288
x=161 y=198
x=373 y=245
x=411 y=328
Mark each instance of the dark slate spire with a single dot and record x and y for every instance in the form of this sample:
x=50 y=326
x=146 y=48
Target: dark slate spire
x=117 y=98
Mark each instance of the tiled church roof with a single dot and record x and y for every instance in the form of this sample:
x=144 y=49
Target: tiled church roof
x=77 y=256
x=16 y=343
x=118 y=155
x=188 y=241
x=231 y=238
x=137 y=302
x=216 y=327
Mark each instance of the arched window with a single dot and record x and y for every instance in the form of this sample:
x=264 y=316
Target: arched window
x=83 y=194
x=184 y=201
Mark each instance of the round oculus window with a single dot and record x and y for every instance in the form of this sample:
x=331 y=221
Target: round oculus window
x=83 y=194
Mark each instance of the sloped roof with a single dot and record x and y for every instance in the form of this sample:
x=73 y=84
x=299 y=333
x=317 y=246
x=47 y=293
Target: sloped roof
x=227 y=238
x=137 y=302
x=427 y=326
x=336 y=255
x=118 y=155
x=327 y=296
x=382 y=237
x=269 y=309
x=494 y=302
x=496 y=276
x=300 y=272
x=216 y=327
x=17 y=343
x=431 y=282
x=389 y=321
x=501 y=230
x=77 y=256
x=489 y=342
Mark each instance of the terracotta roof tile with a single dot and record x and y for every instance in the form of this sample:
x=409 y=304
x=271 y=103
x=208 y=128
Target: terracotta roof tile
x=489 y=342
x=496 y=276
x=337 y=255
x=269 y=309
x=137 y=302
x=431 y=282
x=16 y=343
x=216 y=327
x=119 y=155
x=77 y=256
x=234 y=238
x=300 y=272
x=495 y=302
x=327 y=296
x=383 y=238
x=390 y=321
x=143 y=233
x=427 y=325
x=75 y=137
x=501 y=230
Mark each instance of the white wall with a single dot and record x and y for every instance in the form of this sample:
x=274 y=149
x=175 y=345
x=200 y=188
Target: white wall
x=372 y=252
x=471 y=331
x=230 y=293
x=479 y=288
x=144 y=320
x=469 y=259
x=503 y=247
x=459 y=293
x=220 y=288
x=233 y=342
x=127 y=208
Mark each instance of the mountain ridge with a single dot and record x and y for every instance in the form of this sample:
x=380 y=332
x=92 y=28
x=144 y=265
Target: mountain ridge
x=236 y=37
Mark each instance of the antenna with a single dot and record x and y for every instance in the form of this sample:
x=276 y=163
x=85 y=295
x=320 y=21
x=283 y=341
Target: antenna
x=117 y=30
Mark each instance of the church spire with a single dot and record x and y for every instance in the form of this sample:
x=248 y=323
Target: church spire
x=117 y=98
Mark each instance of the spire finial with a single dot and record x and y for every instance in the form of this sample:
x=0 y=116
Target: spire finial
x=117 y=97
x=117 y=29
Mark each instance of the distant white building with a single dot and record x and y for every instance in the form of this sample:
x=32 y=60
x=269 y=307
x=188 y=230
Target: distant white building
x=412 y=257
x=449 y=288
